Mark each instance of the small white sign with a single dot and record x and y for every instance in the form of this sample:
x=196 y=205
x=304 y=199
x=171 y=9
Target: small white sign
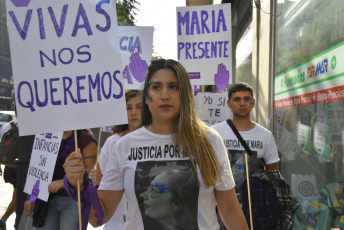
x=42 y=163
x=136 y=45
x=212 y=108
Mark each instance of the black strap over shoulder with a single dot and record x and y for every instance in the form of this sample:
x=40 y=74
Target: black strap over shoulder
x=12 y=124
x=242 y=141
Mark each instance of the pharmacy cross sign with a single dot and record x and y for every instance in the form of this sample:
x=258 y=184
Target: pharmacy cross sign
x=18 y=3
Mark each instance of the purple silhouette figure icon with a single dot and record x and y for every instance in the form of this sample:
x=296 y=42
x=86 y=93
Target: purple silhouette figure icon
x=18 y=3
x=138 y=67
x=35 y=192
x=222 y=77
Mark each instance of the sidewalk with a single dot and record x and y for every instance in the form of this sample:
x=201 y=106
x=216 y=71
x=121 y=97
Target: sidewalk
x=6 y=190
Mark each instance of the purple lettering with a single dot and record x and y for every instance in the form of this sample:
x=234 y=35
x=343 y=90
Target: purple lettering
x=66 y=89
x=194 y=50
x=58 y=28
x=194 y=22
x=181 y=46
x=71 y=56
x=221 y=20
x=41 y=55
x=38 y=101
x=213 y=49
x=93 y=85
x=41 y=23
x=200 y=48
x=53 y=90
x=80 y=52
x=204 y=18
x=126 y=75
x=119 y=84
x=183 y=21
x=79 y=88
x=187 y=47
x=22 y=32
x=106 y=95
x=82 y=13
x=106 y=15
x=225 y=49
x=29 y=103
x=121 y=41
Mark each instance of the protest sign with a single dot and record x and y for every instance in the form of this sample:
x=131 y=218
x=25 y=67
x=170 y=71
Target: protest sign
x=42 y=163
x=136 y=45
x=212 y=107
x=205 y=43
x=66 y=64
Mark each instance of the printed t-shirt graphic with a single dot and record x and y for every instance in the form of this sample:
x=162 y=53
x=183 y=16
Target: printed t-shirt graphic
x=167 y=194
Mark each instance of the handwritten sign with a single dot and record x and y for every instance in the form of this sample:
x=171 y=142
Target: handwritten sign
x=66 y=64
x=205 y=43
x=42 y=163
x=212 y=107
x=136 y=45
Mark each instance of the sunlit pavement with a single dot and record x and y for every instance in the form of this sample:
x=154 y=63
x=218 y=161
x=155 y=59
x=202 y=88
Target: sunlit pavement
x=6 y=190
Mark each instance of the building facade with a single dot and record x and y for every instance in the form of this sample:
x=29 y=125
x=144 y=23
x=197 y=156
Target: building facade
x=291 y=53
x=6 y=77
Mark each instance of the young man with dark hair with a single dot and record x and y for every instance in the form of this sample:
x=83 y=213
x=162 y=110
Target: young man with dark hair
x=260 y=140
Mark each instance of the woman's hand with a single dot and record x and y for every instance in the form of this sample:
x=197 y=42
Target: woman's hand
x=55 y=186
x=29 y=207
x=96 y=175
x=74 y=168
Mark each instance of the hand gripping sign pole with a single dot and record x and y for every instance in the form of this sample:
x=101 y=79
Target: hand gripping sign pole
x=78 y=183
x=248 y=191
x=33 y=198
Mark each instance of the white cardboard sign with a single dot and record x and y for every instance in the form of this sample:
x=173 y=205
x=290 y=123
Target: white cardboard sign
x=212 y=107
x=66 y=64
x=205 y=43
x=42 y=163
x=136 y=45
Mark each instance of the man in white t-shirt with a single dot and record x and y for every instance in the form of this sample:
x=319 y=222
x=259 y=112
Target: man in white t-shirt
x=260 y=140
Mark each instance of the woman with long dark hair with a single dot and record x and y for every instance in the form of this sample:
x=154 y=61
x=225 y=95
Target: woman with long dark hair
x=171 y=132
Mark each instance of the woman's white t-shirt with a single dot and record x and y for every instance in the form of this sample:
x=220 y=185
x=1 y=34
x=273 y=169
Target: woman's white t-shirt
x=117 y=221
x=142 y=155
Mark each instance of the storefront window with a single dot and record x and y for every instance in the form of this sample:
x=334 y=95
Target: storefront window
x=309 y=108
x=244 y=58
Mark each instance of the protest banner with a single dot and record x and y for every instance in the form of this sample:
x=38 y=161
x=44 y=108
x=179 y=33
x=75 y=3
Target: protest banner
x=212 y=107
x=204 y=46
x=136 y=45
x=66 y=64
x=42 y=163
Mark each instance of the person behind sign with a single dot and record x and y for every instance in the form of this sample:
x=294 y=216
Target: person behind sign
x=134 y=103
x=171 y=132
x=10 y=176
x=61 y=212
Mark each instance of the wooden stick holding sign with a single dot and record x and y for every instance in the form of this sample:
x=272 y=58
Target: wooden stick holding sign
x=27 y=223
x=100 y=133
x=248 y=191
x=78 y=183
